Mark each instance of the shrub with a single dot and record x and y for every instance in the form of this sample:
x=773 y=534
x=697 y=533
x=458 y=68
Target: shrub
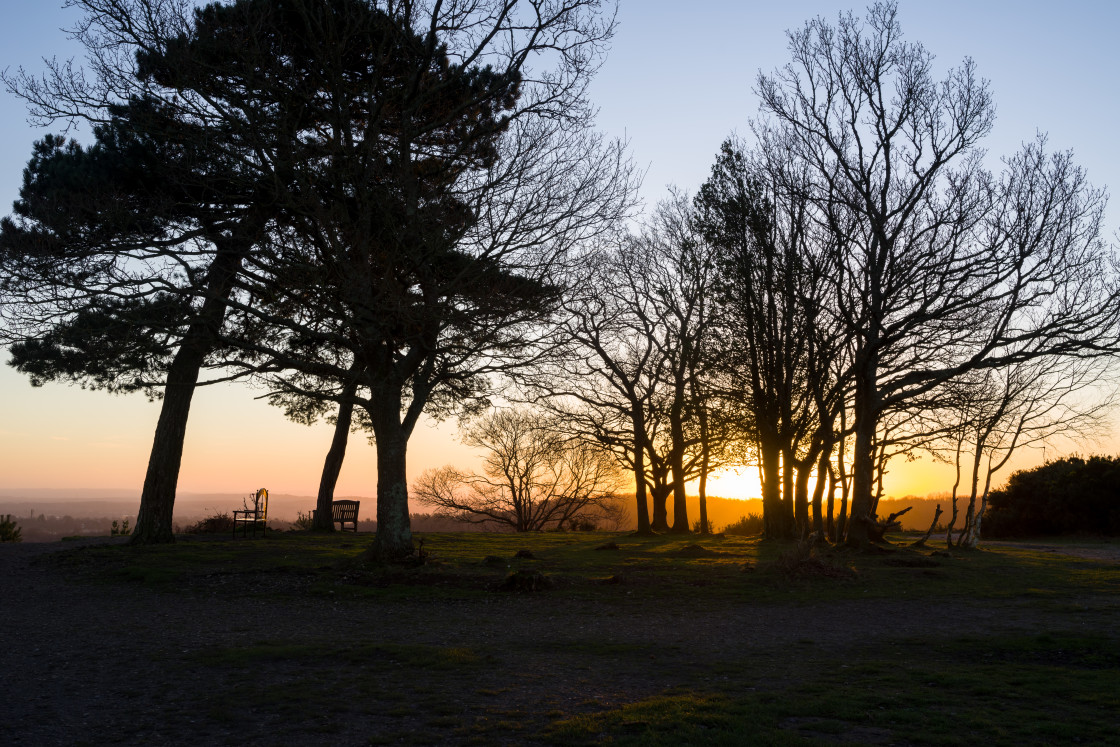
x=746 y=525
x=123 y=530
x=9 y=530
x=218 y=523
x=1067 y=496
x=303 y=521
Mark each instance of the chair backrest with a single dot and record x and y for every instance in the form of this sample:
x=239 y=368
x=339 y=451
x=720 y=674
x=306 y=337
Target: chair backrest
x=261 y=503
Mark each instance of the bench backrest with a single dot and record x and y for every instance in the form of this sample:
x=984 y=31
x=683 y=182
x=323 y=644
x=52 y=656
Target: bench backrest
x=345 y=510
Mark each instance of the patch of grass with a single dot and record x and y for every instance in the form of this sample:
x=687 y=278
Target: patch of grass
x=998 y=690
x=685 y=718
x=706 y=569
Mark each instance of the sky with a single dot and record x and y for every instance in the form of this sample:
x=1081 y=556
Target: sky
x=678 y=80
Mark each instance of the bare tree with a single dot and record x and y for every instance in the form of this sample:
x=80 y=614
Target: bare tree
x=534 y=477
x=940 y=268
x=782 y=355
x=1019 y=406
x=632 y=362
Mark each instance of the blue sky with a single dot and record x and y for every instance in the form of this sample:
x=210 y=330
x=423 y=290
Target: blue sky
x=678 y=81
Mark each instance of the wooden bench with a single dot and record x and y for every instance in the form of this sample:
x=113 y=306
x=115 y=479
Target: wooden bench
x=343 y=513
x=251 y=518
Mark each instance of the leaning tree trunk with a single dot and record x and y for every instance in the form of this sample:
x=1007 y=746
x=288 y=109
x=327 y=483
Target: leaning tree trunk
x=963 y=539
x=972 y=539
x=956 y=486
x=157 y=501
x=332 y=466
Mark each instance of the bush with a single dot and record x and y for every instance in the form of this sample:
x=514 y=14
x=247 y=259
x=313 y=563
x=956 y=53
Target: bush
x=9 y=530
x=303 y=521
x=219 y=523
x=123 y=530
x=750 y=524
x=805 y=561
x=1067 y=496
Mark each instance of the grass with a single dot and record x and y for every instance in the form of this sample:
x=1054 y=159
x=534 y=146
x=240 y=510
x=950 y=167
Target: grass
x=723 y=568
x=620 y=649
x=1013 y=691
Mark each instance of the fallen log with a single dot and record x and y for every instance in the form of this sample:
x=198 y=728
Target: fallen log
x=936 y=515
x=876 y=529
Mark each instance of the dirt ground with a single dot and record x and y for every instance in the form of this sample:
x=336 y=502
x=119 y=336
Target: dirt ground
x=91 y=663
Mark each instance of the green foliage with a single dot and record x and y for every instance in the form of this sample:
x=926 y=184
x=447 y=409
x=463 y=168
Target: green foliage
x=123 y=530
x=113 y=345
x=9 y=530
x=1067 y=496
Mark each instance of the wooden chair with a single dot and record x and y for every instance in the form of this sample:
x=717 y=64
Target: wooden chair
x=251 y=518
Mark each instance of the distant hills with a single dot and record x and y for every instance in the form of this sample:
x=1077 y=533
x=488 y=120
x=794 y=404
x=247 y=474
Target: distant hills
x=121 y=503
x=189 y=507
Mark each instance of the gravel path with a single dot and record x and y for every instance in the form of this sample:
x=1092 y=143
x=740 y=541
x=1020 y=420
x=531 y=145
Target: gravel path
x=94 y=663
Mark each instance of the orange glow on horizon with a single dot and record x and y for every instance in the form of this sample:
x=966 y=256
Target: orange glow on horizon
x=59 y=437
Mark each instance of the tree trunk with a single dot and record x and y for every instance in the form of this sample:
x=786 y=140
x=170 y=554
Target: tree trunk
x=787 y=494
x=393 y=540
x=660 y=496
x=773 y=514
x=680 y=501
x=974 y=535
x=801 y=496
x=966 y=537
x=956 y=485
x=638 y=418
x=818 y=491
x=830 y=523
x=157 y=500
x=705 y=527
x=972 y=539
x=332 y=466
x=863 y=457
x=880 y=473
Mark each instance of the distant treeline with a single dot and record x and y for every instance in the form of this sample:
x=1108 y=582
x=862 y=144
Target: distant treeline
x=38 y=526
x=43 y=528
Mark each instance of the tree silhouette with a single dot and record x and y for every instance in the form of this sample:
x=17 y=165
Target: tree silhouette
x=940 y=268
